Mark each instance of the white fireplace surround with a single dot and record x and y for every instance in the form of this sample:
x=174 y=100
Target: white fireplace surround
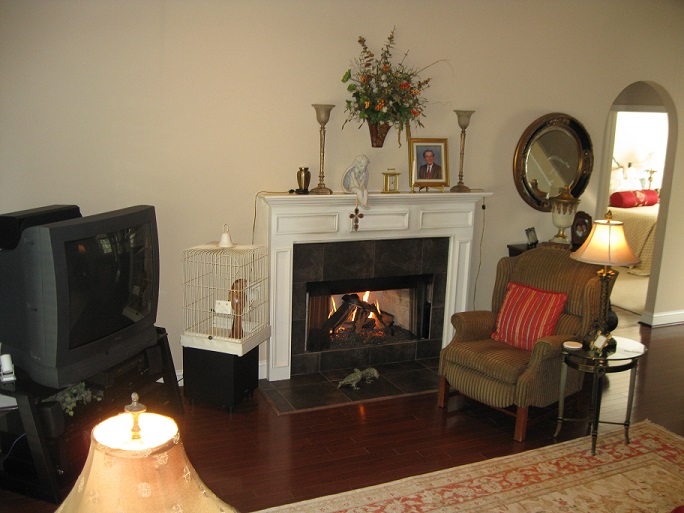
x=285 y=220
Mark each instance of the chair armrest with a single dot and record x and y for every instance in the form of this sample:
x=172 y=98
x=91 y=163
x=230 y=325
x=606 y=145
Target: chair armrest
x=538 y=385
x=548 y=347
x=475 y=325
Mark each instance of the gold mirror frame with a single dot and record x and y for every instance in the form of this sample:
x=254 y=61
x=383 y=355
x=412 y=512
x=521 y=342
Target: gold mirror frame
x=574 y=150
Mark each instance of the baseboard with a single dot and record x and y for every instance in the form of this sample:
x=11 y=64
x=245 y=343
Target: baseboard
x=663 y=319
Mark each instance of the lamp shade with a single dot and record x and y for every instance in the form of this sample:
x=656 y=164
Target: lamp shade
x=606 y=245
x=149 y=474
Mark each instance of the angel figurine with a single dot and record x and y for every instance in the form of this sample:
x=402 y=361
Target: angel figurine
x=355 y=180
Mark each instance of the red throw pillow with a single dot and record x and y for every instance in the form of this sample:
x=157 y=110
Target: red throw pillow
x=528 y=314
x=629 y=199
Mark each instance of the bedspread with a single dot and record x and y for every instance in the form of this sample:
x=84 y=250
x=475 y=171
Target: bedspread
x=640 y=227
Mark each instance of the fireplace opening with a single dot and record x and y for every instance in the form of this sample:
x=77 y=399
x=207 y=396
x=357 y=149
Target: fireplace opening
x=346 y=314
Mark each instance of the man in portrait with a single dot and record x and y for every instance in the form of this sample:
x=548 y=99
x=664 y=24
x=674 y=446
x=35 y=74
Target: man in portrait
x=430 y=170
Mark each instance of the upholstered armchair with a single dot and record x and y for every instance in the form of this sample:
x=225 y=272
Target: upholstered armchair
x=510 y=378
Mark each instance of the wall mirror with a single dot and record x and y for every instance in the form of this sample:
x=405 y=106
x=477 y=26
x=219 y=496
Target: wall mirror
x=554 y=151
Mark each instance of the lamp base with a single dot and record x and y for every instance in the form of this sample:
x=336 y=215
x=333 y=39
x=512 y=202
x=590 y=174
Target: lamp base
x=320 y=189
x=460 y=187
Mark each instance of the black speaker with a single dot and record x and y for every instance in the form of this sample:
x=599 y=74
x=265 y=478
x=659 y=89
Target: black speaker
x=52 y=418
x=155 y=363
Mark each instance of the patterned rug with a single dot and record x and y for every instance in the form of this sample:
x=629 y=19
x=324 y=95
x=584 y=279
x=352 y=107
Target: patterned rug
x=645 y=476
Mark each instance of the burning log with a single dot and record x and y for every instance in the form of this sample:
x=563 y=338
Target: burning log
x=362 y=320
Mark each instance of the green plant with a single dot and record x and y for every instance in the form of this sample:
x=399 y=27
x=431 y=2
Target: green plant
x=70 y=397
x=383 y=91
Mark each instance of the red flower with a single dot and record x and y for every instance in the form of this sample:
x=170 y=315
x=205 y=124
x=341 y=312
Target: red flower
x=405 y=85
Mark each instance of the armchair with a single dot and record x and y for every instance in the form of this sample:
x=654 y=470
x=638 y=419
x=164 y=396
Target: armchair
x=502 y=376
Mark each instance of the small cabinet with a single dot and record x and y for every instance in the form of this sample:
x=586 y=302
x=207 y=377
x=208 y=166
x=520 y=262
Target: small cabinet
x=221 y=379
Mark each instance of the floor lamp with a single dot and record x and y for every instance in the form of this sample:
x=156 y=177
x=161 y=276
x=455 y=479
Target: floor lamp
x=606 y=245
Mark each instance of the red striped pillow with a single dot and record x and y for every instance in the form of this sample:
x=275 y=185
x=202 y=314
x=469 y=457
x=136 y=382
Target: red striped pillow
x=528 y=314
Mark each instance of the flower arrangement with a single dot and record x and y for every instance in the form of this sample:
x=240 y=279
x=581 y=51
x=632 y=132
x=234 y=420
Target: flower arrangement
x=383 y=91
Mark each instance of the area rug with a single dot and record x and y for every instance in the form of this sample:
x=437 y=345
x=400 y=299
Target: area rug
x=646 y=476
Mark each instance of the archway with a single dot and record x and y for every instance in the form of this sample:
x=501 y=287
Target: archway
x=642 y=97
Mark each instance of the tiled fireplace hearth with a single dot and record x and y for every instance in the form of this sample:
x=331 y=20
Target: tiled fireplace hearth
x=424 y=240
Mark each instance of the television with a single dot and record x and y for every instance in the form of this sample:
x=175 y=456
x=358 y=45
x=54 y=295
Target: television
x=78 y=295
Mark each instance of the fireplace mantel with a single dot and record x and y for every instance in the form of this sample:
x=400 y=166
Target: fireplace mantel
x=285 y=220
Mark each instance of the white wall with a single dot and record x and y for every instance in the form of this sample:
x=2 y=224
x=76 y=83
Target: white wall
x=195 y=106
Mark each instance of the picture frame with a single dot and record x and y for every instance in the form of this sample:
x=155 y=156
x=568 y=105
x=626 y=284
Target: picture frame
x=420 y=151
x=532 y=240
x=580 y=229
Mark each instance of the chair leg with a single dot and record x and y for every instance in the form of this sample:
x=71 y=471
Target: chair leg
x=443 y=394
x=521 y=423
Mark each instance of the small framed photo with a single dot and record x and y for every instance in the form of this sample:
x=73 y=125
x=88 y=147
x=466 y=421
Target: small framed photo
x=429 y=163
x=531 y=237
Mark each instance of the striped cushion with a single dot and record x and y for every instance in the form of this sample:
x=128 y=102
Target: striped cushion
x=527 y=314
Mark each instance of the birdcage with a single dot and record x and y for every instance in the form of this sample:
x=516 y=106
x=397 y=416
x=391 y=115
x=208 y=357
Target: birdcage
x=225 y=298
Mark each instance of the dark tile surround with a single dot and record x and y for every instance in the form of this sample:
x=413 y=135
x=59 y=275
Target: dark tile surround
x=366 y=259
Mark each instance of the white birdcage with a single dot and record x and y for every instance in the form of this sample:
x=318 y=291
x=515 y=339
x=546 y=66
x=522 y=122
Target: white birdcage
x=225 y=297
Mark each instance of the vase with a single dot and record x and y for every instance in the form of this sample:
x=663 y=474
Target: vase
x=378 y=132
x=303 y=178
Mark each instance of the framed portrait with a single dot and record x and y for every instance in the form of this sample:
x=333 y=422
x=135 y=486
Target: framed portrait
x=581 y=226
x=429 y=163
x=531 y=237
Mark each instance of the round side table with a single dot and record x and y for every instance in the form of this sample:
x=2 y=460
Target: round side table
x=626 y=357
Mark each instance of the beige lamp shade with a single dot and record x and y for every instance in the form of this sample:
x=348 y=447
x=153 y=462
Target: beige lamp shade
x=147 y=475
x=606 y=245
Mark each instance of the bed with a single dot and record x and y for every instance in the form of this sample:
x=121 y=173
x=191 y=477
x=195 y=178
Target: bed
x=640 y=227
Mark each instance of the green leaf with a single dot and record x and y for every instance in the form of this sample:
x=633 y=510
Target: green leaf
x=346 y=76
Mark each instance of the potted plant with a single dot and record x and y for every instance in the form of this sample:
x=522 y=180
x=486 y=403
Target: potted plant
x=384 y=93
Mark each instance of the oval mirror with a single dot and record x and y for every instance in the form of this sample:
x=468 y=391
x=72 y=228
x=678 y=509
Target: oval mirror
x=553 y=152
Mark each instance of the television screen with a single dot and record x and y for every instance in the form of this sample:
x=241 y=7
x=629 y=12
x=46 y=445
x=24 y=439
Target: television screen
x=110 y=282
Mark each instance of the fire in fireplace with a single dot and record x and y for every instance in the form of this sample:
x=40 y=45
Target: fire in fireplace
x=393 y=309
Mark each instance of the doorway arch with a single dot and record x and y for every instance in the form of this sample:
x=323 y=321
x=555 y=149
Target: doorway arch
x=644 y=96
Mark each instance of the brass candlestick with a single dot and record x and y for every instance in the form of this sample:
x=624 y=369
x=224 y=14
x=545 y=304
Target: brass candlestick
x=463 y=122
x=322 y=116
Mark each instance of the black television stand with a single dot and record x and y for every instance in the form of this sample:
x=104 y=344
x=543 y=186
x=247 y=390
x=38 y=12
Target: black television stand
x=43 y=451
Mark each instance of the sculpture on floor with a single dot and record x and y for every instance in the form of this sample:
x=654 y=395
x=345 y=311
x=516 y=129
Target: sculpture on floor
x=370 y=374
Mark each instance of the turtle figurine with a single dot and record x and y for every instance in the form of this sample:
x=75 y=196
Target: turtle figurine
x=370 y=374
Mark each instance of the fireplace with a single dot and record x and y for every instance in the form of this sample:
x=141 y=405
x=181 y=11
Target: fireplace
x=392 y=238
x=364 y=303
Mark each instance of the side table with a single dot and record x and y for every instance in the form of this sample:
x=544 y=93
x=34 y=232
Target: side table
x=626 y=357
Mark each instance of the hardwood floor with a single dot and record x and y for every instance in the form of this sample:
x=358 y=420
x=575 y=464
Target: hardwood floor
x=255 y=459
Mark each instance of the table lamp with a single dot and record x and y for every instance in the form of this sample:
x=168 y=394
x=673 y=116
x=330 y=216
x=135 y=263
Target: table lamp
x=137 y=463
x=606 y=245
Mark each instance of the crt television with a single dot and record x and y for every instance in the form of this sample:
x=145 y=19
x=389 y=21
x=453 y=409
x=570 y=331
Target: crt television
x=79 y=296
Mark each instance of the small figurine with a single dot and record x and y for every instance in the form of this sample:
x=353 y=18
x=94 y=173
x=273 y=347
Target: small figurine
x=370 y=374
x=355 y=180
